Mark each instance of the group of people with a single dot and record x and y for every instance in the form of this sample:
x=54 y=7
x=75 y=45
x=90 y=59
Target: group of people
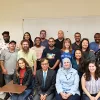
x=51 y=69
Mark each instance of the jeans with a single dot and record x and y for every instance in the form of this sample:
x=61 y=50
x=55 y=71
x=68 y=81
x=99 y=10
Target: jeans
x=85 y=97
x=72 y=97
x=8 y=78
x=22 y=96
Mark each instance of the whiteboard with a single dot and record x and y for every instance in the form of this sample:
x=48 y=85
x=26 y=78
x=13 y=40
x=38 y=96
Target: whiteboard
x=87 y=26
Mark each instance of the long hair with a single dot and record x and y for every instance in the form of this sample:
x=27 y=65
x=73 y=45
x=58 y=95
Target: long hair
x=81 y=61
x=70 y=47
x=30 y=40
x=18 y=68
x=88 y=74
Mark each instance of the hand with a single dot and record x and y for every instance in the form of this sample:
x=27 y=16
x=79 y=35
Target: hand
x=92 y=98
x=68 y=95
x=34 y=73
x=63 y=95
x=41 y=97
x=95 y=98
x=4 y=71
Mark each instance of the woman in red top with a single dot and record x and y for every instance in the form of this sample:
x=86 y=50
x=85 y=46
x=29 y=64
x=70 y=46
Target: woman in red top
x=22 y=76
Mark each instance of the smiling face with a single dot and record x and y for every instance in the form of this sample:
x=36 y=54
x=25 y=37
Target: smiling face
x=92 y=68
x=78 y=54
x=67 y=44
x=66 y=63
x=77 y=37
x=26 y=36
x=85 y=44
x=21 y=64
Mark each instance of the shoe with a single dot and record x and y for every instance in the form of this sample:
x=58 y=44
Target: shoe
x=7 y=96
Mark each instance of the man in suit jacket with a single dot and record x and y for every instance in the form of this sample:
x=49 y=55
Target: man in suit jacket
x=45 y=82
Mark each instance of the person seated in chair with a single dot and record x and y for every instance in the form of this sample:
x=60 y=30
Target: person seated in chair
x=22 y=76
x=45 y=82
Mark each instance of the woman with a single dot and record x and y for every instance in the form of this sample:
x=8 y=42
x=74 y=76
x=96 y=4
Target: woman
x=87 y=54
x=39 y=50
x=67 y=82
x=91 y=82
x=27 y=36
x=78 y=62
x=22 y=76
x=67 y=51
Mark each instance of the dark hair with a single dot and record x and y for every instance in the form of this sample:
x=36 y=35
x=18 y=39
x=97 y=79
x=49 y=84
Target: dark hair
x=51 y=38
x=5 y=32
x=81 y=61
x=70 y=47
x=35 y=40
x=96 y=34
x=43 y=59
x=88 y=48
x=25 y=41
x=97 y=72
x=43 y=31
x=12 y=42
x=77 y=33
x=30 y=40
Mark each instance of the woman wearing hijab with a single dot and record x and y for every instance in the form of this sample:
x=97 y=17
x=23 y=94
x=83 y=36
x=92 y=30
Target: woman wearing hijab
x=67 y=82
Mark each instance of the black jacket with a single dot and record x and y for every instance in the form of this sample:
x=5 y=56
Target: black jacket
x=50 y=82
x=27 y=77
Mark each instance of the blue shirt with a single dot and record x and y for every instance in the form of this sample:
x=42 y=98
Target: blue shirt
x=94 y=46
x=67 y=81
x=67 y=55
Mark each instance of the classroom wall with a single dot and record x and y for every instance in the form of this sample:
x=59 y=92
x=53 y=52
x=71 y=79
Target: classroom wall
x=13 y=11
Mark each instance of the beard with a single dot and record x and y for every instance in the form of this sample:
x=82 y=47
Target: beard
x=25 y=49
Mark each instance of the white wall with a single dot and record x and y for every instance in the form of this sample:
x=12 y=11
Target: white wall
x=13 y=11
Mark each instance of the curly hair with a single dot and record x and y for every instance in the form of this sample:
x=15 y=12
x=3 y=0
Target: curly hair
x=88 y=74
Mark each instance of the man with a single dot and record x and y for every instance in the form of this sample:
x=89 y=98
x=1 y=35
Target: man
x=60 y=40
x=95 y=46
x=3 y=45
x=45 y=82
x=44 y=41
x=28 y=54
x=8 y=63
x=76 y=44
x=38 y=49
x=52 y=54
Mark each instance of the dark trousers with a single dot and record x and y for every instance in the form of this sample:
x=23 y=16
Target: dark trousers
x=85 y=97
x=2 y=83
x=49 y=97
x=72 y=97
x=38 y=65
x=8 y=78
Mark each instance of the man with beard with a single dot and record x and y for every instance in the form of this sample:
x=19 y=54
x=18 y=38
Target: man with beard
x=95 y=46
x=76 y=44
x=28 y=54
x=52 y=54
x=60 y=40
x=3 y=46
x=44 y=41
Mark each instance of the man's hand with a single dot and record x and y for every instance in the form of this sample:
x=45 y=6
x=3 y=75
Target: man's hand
x=4 y=71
